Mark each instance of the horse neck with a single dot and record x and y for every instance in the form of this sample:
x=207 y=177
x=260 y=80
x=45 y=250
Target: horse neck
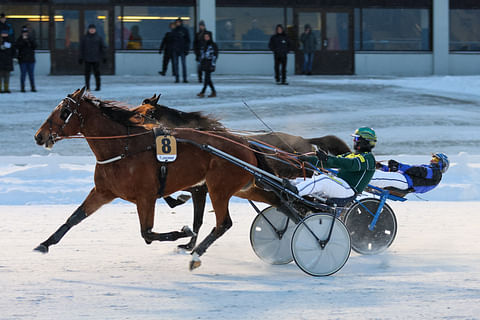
x=96 y=124
x=173 y=118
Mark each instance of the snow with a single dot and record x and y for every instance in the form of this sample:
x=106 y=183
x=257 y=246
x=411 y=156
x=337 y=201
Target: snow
x=102 y=268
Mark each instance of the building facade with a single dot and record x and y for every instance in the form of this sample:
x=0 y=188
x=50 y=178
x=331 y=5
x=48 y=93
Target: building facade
x=362 y=37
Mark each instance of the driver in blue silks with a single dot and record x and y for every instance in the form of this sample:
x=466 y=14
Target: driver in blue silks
x=418 y=179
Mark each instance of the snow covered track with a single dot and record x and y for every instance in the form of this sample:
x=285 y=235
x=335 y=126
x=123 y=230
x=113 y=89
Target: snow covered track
x=103 y=270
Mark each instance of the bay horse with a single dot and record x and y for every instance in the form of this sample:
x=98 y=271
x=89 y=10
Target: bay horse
x=127 y=167
x=151 y=114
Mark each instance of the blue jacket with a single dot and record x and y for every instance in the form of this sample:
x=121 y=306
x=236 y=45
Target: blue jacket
x=421 y=178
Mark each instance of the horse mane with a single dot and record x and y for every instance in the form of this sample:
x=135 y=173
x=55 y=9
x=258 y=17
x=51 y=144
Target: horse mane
x=175 y=118
x=115 y=110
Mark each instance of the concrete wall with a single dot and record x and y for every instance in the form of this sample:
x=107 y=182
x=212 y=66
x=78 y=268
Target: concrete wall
x=149 y=63
x=464 y=64
x=42 y=64
x=394 y=64
x=250 y=63
x=144 y=63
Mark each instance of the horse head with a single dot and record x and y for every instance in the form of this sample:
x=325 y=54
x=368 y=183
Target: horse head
x=65 y=120
x=152 y=101
x=146 y=113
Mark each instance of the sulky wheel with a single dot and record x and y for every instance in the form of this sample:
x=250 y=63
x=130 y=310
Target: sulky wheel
x=307 y=251
x=358 y=219
x=270 y=236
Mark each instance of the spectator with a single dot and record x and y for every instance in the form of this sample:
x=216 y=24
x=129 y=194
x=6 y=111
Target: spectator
x=92 y=51
x=26 y=46
x=6 y=60
x=309 y=45
x=167 y=46
x=226 y=36
x=255 y=38
x=208 y=59
x=5 y=25
x=134 y=40
x=181 y=45
x=198 y=44
x=280 y=45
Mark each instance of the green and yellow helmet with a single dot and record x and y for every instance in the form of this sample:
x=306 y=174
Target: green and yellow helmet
x=366 y=134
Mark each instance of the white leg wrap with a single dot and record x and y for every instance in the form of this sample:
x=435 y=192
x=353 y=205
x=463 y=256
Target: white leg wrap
x=195 y=257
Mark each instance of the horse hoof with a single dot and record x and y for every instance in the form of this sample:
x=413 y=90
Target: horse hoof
x=188 y=232
x=195 y=264
x=183 y=198
x=41 y=248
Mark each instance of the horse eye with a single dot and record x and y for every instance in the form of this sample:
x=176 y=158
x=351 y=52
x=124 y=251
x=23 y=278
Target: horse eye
x=64 y=114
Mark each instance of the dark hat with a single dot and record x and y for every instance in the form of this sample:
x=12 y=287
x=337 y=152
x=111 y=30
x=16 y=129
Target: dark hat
x=2 y=15
x=91 y=26
x=24 y=29
x=201 y=23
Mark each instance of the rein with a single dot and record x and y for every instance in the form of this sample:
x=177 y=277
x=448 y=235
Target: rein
x=67 y=112
x=290 y=158
x=79 y=136
x=286 y=156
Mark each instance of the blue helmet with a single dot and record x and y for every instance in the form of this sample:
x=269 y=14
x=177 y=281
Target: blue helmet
x=442 y=161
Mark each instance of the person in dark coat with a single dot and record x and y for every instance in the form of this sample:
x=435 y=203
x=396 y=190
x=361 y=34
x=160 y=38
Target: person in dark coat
x=166 y=47
x=5 y=25
x=198 y=44
x=181 y=45
x=92 y=51
x=6 y=60
x=280 y=45
x=26 y=46
x=208 y=61
x=309 y=45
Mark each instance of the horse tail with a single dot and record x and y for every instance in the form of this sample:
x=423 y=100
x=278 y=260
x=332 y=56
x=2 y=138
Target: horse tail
x=331 y=144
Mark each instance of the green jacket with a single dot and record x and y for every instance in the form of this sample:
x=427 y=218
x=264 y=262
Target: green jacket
x=356 y=169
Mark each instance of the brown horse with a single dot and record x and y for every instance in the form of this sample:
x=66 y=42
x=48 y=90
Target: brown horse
x=150 y=114
x=127 y=167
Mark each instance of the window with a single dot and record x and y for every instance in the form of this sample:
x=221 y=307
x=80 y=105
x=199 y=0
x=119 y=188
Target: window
x=465 y=30
x=393 y=29
x=142 y=27
x=35 y=17
x=246 y=28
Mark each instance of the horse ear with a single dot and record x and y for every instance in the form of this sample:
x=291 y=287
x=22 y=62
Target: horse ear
x=150 y=100
x=155 y=99
x=78 y=93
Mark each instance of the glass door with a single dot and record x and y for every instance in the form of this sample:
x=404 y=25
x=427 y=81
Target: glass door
x=66 y=42
x=333 y=31
x=68 y=28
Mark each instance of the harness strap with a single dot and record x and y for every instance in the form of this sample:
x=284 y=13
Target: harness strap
x=162 y=179
x=120 y=157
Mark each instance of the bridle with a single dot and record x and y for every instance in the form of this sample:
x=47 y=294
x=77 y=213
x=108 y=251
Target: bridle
x=65 y=115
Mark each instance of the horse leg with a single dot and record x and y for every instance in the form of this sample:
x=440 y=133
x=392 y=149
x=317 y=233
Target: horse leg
x=91 y=204
x=199 y=197
x=146 y=213
x=223 y=224
x=172 y=202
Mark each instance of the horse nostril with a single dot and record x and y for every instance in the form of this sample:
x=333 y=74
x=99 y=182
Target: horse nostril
x=38 y=138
